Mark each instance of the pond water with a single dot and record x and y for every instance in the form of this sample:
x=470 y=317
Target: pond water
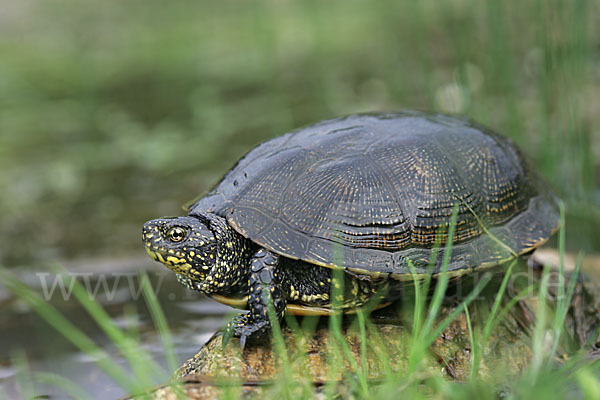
x=192 y=319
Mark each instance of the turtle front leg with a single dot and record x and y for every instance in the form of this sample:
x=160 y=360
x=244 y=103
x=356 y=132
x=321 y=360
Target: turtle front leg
x=264 y=287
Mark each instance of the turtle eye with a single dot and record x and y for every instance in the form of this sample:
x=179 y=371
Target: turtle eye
x=176 y=234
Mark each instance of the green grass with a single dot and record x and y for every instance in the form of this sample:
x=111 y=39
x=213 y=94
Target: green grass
x=546 y=377
x=142 y=370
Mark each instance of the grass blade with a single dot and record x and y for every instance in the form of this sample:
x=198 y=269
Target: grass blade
x=160 y=322
x=69 y=331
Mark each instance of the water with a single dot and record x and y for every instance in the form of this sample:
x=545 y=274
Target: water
x=192 y=320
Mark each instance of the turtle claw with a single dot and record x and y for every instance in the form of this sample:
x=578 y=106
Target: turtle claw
x=229 y=334
x=233 y=327
x=242 y=342
x=248 y=331
x=254 y=332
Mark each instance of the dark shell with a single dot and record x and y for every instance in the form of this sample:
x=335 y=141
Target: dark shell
x=367 y=192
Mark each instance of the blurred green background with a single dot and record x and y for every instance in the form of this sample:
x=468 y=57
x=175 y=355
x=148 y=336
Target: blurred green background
x=114 y=112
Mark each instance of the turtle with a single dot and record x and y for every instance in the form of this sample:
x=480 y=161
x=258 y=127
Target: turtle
x=364 y=202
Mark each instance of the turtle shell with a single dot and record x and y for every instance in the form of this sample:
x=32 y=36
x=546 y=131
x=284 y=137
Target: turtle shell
x=370 y=192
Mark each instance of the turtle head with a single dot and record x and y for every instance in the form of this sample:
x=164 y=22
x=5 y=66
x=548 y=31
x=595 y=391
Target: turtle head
x=185 y=245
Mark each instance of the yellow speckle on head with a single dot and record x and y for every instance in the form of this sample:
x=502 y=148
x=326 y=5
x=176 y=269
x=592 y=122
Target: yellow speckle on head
x=192 y=253
x=175 y=260
x=182 y=269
